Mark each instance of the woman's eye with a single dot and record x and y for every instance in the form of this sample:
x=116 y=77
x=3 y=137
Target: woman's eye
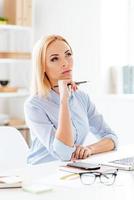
x=54 y=59
x=68 y=54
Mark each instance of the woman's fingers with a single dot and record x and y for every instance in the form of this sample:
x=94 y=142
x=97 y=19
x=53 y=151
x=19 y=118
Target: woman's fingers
x=78 y=148
x=87 y=153
x=71 y=84
x=73 y=157
x=78 y=154
x=63 y=89
x=74 y=86
x=81 y=153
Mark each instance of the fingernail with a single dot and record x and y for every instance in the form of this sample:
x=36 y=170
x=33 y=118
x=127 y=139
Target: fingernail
x=76 y=88
x=73 y=88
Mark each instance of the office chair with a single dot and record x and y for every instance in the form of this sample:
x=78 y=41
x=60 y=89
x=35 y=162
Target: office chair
x=13 y=148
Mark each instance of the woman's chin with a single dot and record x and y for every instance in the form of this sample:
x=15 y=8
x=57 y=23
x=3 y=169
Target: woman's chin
x=67 y=78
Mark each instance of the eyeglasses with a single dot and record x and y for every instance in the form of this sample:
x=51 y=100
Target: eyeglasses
x=105 y=178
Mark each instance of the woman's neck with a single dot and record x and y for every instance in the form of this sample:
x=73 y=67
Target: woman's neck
x=56 y=89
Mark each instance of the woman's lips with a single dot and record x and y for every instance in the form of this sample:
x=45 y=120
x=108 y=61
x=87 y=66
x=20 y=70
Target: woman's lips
x=67 y=71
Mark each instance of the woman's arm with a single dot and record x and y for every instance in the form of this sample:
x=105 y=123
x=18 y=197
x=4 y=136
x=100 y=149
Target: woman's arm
x=103 y=145
x=106 y=144
x=108 y=140
x=64 y=131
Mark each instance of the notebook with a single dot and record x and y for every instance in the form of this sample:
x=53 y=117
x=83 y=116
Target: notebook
x=126 y=163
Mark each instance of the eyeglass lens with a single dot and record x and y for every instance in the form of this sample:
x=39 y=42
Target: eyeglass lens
x=89 y=178
x=107 y=179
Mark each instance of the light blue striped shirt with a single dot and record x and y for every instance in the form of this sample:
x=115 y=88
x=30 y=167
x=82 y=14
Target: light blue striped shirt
x=42 y=118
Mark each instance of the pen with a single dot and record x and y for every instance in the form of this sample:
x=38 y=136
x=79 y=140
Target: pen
x=77 y=83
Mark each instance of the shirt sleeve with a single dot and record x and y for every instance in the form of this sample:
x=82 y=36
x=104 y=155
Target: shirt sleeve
x=97 y=124
x=44 y=130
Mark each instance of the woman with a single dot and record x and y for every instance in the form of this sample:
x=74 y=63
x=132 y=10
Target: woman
x=58 y=114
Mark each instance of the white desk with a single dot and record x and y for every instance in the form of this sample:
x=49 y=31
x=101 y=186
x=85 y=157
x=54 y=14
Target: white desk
x=123 y=187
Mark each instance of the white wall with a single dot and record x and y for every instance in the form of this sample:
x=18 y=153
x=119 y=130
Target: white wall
x=131 y=33
x=118 y=111
x=114 y=37
x=79 y=22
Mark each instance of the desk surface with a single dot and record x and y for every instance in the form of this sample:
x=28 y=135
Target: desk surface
x=122 y=188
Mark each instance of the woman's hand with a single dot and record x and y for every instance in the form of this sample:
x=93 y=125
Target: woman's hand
x=64 y=89
x=81 y=152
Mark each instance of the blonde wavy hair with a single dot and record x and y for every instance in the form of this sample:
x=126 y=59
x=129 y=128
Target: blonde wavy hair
x=40 y=83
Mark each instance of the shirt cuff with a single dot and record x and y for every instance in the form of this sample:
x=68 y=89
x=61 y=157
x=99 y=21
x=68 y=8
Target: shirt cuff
x=63 y=151
x=114 y=138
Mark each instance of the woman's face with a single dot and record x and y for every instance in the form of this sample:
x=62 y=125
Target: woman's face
x=59 y=62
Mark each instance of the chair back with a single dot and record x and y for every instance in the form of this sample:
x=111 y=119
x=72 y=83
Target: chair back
x=13 y=148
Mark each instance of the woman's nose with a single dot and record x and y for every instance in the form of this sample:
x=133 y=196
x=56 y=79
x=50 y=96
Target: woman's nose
x=64 y=63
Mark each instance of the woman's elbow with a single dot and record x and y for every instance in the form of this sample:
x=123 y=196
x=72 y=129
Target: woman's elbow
x=63 y=151
x=63 y=156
